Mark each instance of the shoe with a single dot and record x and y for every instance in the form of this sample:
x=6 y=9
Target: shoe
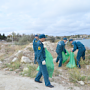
x=51 y=86
x=38 y=81
x=56 y=61
x=79 y=66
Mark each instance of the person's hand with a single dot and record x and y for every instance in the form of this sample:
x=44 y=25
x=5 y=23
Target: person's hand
x=71 y=51
x=65 y=53
x=43 y=62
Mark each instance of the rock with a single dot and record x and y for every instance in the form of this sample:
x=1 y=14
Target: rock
x=10 y=69
x=88 y=66
x=51 y=48
x=63 y=82
x=18 y=53
x=81 y=82
x=54 y=60
x=6 y=69
x=15 y=59
x=0 y=62
x=60 y=70
x=25 y=74
x=25 y=69
x=17 y=70
x=25 y=60
x=14 y=72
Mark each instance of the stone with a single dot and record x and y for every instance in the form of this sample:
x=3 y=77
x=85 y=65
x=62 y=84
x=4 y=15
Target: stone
x=17 y=70
x=18 y=53
x=0 y=62
x=6 y=69
x=81 y=82
x=10 y=69
x=88 y=66
x=25 y=59
x=60 y=70
x=54 y=60
x=15 y=59
x=25 y=69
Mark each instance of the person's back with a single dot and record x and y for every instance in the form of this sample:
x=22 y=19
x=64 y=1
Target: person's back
x=78 y=45
x=60 y=46
x=81 y=50
x=59 y=49
x=35 y=48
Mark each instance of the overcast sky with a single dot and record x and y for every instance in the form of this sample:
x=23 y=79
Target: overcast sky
x=51 y=17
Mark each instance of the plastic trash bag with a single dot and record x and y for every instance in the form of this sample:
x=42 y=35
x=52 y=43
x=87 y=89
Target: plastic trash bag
x=71 y=63
x=65 y=57
x=49 y=63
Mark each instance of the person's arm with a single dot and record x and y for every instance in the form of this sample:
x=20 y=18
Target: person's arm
x=40 y=52
x=74 y=48
x=64 y=48
x=44 y=54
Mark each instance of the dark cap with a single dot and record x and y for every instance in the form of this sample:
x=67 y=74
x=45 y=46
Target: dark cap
x=42 y=36
x=36 y=35
x=70 y=40
x=65 y=38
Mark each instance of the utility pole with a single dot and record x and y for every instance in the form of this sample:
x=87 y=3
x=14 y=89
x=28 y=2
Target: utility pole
x=12 y=38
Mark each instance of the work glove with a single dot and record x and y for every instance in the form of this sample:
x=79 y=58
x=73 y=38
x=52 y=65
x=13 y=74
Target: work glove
x=43 y=62
x=65 y=53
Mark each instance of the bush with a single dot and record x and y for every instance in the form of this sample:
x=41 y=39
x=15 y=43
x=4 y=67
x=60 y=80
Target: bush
x=13 y=66
x=31 y=71
x=75 y=76
x=25 y=39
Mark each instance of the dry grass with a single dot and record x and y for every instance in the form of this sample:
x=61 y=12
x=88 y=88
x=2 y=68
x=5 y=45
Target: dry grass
x=7 y=50
x=13 y=66
x=31 y=71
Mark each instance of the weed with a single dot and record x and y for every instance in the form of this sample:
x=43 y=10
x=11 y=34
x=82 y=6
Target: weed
x=75 y=76
x=31 y=72
x=13 y=66
x=56 y=73
x=30 y=48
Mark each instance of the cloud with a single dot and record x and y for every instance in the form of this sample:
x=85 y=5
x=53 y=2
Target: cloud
x=52 y=17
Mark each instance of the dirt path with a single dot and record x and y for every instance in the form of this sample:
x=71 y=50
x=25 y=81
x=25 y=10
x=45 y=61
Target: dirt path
x=14 y=82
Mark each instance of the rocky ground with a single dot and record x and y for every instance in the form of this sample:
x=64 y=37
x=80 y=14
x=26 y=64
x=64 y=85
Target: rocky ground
x=17 y=70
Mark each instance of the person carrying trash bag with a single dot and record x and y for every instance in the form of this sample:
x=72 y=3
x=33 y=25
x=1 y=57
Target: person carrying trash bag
x=42 y=63
x=59 y=49
x=35 y=48
x=81 y=50
x=49 y=63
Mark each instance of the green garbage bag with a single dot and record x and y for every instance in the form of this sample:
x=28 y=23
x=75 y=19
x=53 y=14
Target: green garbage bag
x=49 y=63
x=71 y=63
x=65 y=57
x=37 y=68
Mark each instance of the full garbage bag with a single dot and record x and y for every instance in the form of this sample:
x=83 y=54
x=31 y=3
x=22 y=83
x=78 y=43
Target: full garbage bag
x=71 y=63
x=49 y=63
x=65 y=56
